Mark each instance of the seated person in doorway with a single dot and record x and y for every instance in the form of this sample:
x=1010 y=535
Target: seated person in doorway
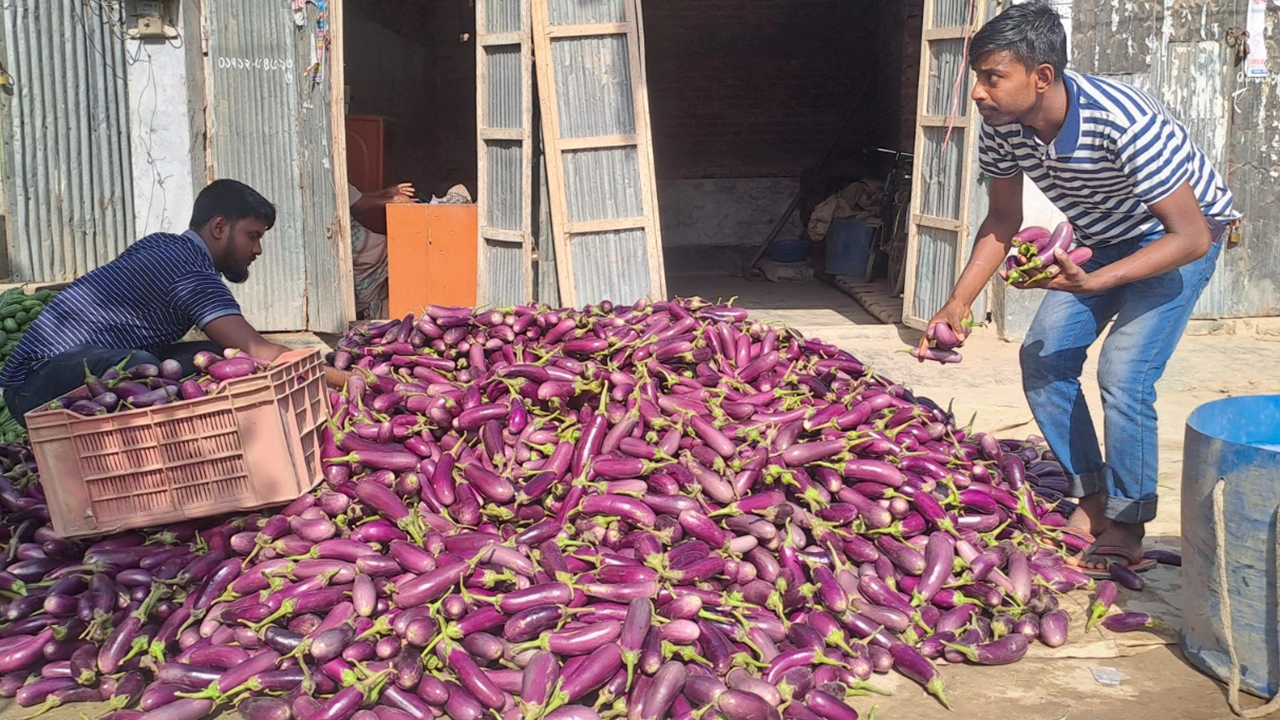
x=369 y=246
x=138 y=306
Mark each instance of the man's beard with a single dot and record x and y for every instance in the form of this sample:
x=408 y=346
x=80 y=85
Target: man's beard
x=238 y=276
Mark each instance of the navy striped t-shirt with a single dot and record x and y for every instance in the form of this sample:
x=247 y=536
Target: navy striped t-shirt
x=1118 y=153
x=148 y=297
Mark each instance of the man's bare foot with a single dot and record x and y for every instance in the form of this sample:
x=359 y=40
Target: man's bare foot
x=1121 y=542
x=1090 y=515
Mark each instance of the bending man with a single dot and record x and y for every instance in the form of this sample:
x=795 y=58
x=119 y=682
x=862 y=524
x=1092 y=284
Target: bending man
x=1146 y=200
x=143 y=302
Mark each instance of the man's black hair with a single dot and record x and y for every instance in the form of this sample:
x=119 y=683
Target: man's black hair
x=1031 y=32
x=234 y=201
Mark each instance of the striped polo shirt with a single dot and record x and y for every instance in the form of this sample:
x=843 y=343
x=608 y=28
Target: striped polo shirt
x=1118 y=153
x=148 y=297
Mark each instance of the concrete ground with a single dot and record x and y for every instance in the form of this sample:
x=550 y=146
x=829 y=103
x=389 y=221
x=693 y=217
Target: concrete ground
x=1157 y=683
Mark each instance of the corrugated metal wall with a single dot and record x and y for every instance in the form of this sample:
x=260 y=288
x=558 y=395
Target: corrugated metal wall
x=68 y=189
x=1176 y=50
x=270 y=128
x=504 y=120
x=330 y=286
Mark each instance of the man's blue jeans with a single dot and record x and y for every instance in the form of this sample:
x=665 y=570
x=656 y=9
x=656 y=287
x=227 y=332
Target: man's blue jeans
x=1150 y=317
x=65 y=373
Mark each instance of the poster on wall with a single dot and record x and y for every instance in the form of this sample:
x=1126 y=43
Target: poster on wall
x=1256 y=62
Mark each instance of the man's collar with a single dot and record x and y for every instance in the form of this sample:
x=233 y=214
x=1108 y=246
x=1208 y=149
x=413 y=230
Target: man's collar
x=195 y=237
x=1068 y=138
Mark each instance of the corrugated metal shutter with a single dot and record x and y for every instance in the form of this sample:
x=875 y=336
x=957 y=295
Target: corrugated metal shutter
x=68 y=183
x=1194 y=75
x=591 y=85
x=504 y=113
x=938 y=241
x=270 y=126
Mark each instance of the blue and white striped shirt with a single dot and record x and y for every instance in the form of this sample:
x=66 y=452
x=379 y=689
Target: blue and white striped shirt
x=147 y=298
x=1118 y=153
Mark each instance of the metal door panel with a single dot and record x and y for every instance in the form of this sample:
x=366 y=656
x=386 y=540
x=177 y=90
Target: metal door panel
x=271 y=125
x=504 y=113
x=595 y=120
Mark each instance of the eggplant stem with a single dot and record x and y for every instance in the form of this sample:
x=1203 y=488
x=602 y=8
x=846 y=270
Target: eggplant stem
x=286 y=608
x=748 y=660
x=48 y=704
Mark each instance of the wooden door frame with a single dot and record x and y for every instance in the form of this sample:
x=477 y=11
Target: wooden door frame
x=340 y=229
x=966 y=125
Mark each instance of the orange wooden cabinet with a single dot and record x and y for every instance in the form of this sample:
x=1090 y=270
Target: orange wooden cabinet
x=431 y=256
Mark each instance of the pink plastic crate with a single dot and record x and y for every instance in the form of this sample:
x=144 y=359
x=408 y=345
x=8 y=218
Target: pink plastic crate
x=253 y=444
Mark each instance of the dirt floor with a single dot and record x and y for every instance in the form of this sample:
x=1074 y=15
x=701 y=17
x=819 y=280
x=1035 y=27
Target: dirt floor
x=1157 y=683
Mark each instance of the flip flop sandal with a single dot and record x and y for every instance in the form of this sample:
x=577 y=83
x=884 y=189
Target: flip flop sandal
x=1135 y=563
x=1082 y=540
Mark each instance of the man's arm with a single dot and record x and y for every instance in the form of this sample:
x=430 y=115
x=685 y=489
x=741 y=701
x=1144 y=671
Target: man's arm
x=370 y=209
x=396 y=194
x=233 y=331
x=1186 y=240
x=1004 y=219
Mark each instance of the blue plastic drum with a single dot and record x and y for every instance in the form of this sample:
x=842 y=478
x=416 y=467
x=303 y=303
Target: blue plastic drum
x=1235 y=442
x=789 y=250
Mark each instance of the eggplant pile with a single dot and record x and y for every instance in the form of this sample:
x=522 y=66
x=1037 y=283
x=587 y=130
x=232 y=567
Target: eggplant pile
x=1033 y=253
x=148 y=385
x=654 y=511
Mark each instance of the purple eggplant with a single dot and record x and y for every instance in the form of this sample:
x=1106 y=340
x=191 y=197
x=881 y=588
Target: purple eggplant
x=1008 y=649
x=742 y=705
x=599 y=666
x=540 y=678
x=1130 y=621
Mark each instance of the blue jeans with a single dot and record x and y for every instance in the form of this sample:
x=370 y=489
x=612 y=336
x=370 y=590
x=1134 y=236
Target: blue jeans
x=65 y=372
x=1150 y=317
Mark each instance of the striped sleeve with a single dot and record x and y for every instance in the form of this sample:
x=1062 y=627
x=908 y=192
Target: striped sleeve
x=995 y=156
x=1153 y=156
x=203 y=298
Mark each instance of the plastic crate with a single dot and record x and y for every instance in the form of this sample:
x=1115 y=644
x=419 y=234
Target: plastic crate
x=254 y=443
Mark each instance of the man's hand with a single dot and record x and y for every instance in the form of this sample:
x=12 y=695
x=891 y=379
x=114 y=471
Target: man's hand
x=954 y=314
x=335 y=378
x=233 y=331
x=1064 y=275
x=396 y=194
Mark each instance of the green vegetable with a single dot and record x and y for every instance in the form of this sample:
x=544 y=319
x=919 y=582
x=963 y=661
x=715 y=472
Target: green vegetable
x=17 y=311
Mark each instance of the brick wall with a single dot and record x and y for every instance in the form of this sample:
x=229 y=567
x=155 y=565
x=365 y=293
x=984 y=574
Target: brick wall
x=760 y=88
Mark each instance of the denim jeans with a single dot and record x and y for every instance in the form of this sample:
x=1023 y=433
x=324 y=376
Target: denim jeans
x=1150 y=317
x=65 y=372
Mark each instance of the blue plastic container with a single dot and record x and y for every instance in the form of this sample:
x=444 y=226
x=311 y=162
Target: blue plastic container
x=849 y=247
x=788 y=250
x=1235 y=441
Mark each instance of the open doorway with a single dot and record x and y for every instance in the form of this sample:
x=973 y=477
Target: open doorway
x=761 y=109
x=410 y=120
x=761 y=106
x=410 y=66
